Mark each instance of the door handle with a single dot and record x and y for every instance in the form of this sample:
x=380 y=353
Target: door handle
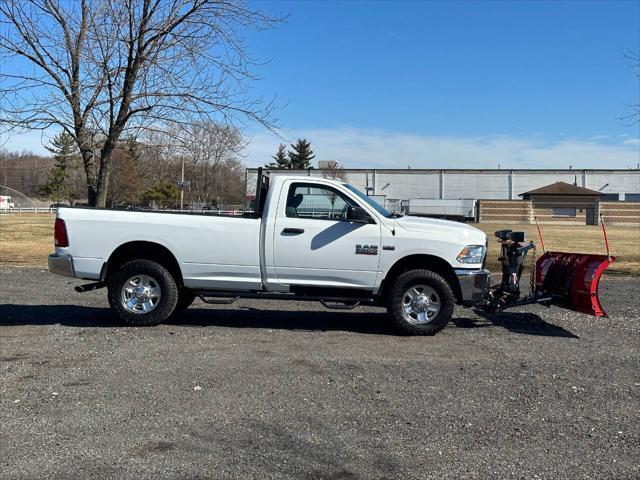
x=294 y=231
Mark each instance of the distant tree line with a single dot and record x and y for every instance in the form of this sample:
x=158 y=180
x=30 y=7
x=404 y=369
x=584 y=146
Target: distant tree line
x=144 y=171
x=25 y=172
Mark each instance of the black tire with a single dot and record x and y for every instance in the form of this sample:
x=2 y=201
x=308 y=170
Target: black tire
x=419 y=278
x=185 y=299
x=161 y=279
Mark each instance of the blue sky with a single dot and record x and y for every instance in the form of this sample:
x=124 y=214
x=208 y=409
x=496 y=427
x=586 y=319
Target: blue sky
x=451 y=84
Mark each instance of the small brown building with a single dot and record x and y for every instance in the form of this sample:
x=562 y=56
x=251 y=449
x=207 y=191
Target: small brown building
x=562 y=202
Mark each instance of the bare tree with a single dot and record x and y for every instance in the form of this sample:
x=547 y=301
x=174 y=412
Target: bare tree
x=209 y=148
x=123 y=184
x=332 y=169
x=103 y=68
x=160 y=155
x=633 y=115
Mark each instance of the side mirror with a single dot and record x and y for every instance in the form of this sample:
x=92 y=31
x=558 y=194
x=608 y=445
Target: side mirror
x=357 y=215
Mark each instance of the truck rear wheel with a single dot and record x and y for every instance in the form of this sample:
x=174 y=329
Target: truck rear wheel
x=142 y=293
x=420 y=302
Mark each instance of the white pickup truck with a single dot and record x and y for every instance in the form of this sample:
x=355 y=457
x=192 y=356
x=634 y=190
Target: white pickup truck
x=6 y=202
x=308 y=239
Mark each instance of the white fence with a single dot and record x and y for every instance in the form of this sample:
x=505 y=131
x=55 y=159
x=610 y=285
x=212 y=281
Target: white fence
x=52 y=210
x=28 y=210
x=211 y=211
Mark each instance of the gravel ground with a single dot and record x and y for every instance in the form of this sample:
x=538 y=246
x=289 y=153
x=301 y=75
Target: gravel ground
x=290 y=390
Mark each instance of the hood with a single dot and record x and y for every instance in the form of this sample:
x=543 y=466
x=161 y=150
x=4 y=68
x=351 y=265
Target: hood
x=434 y=227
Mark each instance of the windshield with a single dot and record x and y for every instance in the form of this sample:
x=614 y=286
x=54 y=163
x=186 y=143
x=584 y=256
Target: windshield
x=381 y=210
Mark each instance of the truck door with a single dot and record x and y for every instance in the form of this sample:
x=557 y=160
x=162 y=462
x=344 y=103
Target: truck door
x=314 y=245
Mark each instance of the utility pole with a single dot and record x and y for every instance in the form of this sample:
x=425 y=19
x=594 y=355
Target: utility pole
x=182 y=185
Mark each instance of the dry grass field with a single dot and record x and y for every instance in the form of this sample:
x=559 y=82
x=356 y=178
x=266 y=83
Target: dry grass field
x=624 y=243
x=26 y=240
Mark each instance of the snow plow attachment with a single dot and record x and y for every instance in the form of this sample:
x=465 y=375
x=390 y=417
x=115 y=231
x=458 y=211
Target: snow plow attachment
x=571 y=280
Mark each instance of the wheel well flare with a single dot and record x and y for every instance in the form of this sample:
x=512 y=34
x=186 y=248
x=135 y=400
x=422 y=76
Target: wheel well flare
x=428 y=262
x=142 y=250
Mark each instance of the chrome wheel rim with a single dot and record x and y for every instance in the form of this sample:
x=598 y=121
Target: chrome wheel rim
x=141 y=294
x=420 y=304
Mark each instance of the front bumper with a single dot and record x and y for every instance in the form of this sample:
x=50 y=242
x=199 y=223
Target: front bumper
x=474 y=284
x=61 y=265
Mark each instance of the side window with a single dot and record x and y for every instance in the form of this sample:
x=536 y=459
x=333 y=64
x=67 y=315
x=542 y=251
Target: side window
x=316 y=201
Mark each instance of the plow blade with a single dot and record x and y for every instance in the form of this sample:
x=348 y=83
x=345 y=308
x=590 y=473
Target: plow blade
x=572 y=280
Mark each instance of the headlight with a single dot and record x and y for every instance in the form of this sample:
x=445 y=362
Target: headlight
x=471 y=254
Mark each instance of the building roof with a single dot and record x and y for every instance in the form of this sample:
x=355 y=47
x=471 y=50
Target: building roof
x=561 y=188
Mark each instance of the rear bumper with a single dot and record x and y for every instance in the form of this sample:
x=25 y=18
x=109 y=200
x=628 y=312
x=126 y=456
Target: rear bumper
x=474 y=284
x=61 y=265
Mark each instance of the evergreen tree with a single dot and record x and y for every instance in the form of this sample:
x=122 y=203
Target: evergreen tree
x=65 y=152
x=281 y=159
x=163 y=194
x=301 y=155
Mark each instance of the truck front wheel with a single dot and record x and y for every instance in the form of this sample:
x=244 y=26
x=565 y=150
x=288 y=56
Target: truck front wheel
x=420 y=302
x=142 y=293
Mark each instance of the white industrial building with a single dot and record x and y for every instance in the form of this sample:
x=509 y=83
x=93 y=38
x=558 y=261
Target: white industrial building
x=445 y=191
x=455 y=184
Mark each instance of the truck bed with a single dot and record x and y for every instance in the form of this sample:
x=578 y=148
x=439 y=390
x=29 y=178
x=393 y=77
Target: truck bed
x=212 y=249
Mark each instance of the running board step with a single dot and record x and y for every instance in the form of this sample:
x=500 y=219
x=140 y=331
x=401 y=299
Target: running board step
x=87 y=287
x=339 y=305
x=218 y=301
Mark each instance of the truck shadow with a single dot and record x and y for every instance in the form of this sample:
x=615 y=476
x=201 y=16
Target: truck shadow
x=521 y=322
x=367 y=322
x=302 y=320
x=240 y=317
x=67 y=315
